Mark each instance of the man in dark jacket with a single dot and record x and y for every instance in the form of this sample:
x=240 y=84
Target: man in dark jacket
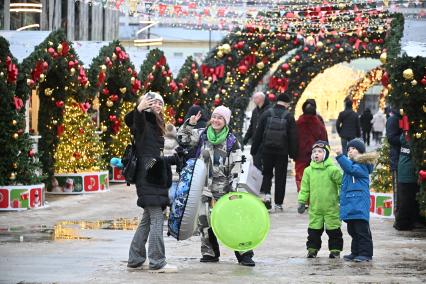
x=276 y=156
x=262 y=104
x=366 y=125
x=393 y=134
x=347 y=125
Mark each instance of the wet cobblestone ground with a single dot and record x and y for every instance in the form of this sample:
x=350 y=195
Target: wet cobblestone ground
x=94 y=247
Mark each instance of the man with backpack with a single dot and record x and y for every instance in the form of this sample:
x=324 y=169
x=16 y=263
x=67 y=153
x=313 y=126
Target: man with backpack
x=277 y=133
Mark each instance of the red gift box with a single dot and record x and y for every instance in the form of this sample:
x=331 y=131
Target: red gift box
x=4 y=198
x=91 y=183
x=387 y=203
x=117 y=174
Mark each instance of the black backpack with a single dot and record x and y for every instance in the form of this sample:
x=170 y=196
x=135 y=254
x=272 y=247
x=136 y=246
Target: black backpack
x=275 y=135
x=130 y=163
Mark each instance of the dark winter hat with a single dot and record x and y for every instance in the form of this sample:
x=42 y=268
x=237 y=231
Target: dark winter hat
x=357 y=144
x=284 y=98
x=322 y=145
x=309 y=107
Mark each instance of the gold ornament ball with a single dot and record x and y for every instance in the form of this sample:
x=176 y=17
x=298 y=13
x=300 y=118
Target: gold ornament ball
x=401 y=111
x=293 y=60
x=59 y=48
x=219 y=54
x=418 y=135
x=132 y=80
x=1 y=74
x=414 y=82
x=123 y=90
x=168 y=79
x=15 y=165
x=320 y=44
x=263 y=44
x=15 y=136
x=217 y=96
x=109 y=103
x=341 y=50
x=114 y=56
x=242 y=88
x=103 y=68
x=196 y=76
x=42 y=77
x=260 y=65
x=104 y=128
x=310 y=39
x=226 y=48
x=72 y=71
x=55 y=122
x=14 y=122
x=408 y=74
x=12 y=176
x=238 y=33
x=288 y=72
x=383 y=57
x=180 y=92
x=377 y=48
x=163 y=68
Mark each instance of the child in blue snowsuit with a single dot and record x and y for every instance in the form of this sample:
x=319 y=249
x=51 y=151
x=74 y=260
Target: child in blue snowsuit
x=355 y=199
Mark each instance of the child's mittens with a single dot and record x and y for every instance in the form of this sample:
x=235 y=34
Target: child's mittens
x=301 y=208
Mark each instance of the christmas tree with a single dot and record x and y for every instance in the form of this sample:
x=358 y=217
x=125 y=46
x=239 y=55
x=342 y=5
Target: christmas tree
x=189 y=81
x=18 y=163
x=156 y=76
x=79 y=147
x=54 y=70
x=114 y=79
x=121 y=139
x=381 y=179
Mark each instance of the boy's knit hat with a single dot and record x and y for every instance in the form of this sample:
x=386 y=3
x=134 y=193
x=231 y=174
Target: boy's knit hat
x=357 y=144
x=322 y=145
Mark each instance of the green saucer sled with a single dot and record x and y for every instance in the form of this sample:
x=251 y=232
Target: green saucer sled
x=240 y=221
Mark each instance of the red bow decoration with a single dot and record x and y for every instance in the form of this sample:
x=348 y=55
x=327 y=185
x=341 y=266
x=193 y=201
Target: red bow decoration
x=136 y=86
x=85 y=106
x=82 y=76
x=65 y=48
x=279 y=84
x=12 y=73
x=248 y=60
x=404 y=123
x=162 y=61
x=18 y=103
x=214 y=72
x=101 y=78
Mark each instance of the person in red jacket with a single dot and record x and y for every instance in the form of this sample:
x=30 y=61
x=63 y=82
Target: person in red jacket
x=310 y=128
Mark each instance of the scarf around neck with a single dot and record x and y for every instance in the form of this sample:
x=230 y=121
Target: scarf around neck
x=217 y=138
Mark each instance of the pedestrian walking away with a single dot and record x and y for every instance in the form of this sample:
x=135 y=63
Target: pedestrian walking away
x=262 y=105
x=348 y=125
x=278 y=134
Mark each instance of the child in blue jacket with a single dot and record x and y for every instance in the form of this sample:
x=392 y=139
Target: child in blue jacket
x=355 y=199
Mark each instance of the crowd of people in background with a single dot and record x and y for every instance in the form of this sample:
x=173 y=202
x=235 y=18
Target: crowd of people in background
x=330 y=195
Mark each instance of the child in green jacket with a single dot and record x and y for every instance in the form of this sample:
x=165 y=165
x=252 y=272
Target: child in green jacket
x=320 y=187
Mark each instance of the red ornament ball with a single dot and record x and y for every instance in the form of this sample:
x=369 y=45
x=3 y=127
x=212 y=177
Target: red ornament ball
x=242 y=69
